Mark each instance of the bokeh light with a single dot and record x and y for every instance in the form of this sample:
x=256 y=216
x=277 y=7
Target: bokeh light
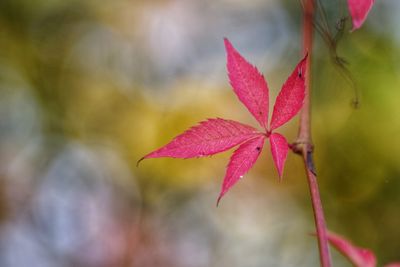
x=89 y=87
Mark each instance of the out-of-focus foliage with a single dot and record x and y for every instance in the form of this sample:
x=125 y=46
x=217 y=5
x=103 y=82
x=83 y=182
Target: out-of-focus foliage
x=88 y=87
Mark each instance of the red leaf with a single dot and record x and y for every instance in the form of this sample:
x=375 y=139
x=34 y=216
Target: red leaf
x=248 y=84
x=359 y=10
x=207 y=138
x=241 y=162
x=279 y=149
x=291 y=97
x=360 y=257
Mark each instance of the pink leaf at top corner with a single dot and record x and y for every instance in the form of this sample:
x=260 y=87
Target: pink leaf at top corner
x=248 y=84
x=359 y=10
x=394 y=264
x=207 y=138
x=290 y=99
x=360 y=257
x=241 y=162
x=279 y=149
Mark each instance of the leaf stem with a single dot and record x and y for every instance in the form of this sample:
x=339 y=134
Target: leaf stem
x=303 y=144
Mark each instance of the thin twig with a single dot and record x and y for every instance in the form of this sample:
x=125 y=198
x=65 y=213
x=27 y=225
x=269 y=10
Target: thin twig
x=303 y=144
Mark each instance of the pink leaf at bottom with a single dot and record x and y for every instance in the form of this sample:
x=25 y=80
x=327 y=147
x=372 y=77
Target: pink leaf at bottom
x=279 y=149
x=360 y=257
x=394 y=264
x=359 y=10
x=207 y=138
x=241 y=162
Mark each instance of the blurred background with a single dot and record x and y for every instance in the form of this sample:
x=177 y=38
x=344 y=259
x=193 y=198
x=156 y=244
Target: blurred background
x=89 y=87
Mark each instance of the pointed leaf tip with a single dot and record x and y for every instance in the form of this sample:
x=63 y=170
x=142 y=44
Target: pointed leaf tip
x=360 y=257
x=291 y=97
x=279 y=149
x=138 y=162
x=359 y=10
x=248 y=84
x=241 y=162
x=219 y=199
x=207 y=138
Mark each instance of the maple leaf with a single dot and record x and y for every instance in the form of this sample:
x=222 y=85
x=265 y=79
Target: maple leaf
x=290 y=99
x=359 y=257
x=279 y=150
x=218 y=135
x=207 y=138
x=248 y=84
x=241 y=161
x=359 y=10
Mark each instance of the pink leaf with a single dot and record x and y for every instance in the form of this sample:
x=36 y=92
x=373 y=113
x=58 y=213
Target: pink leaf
x=207 y=138
x=359 y=10
x=248 y=84
x=279 y=149
x=393 y=264
x=360 y=257
x=241 y=162
x=291 y=97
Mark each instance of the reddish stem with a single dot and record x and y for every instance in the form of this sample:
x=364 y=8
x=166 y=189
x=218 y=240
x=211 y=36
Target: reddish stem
x=303 y=144
x=318 y=215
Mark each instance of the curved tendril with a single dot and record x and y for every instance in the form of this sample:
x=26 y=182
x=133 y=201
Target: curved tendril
x=339 y=63
x=323 y=15
x=332 y=42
